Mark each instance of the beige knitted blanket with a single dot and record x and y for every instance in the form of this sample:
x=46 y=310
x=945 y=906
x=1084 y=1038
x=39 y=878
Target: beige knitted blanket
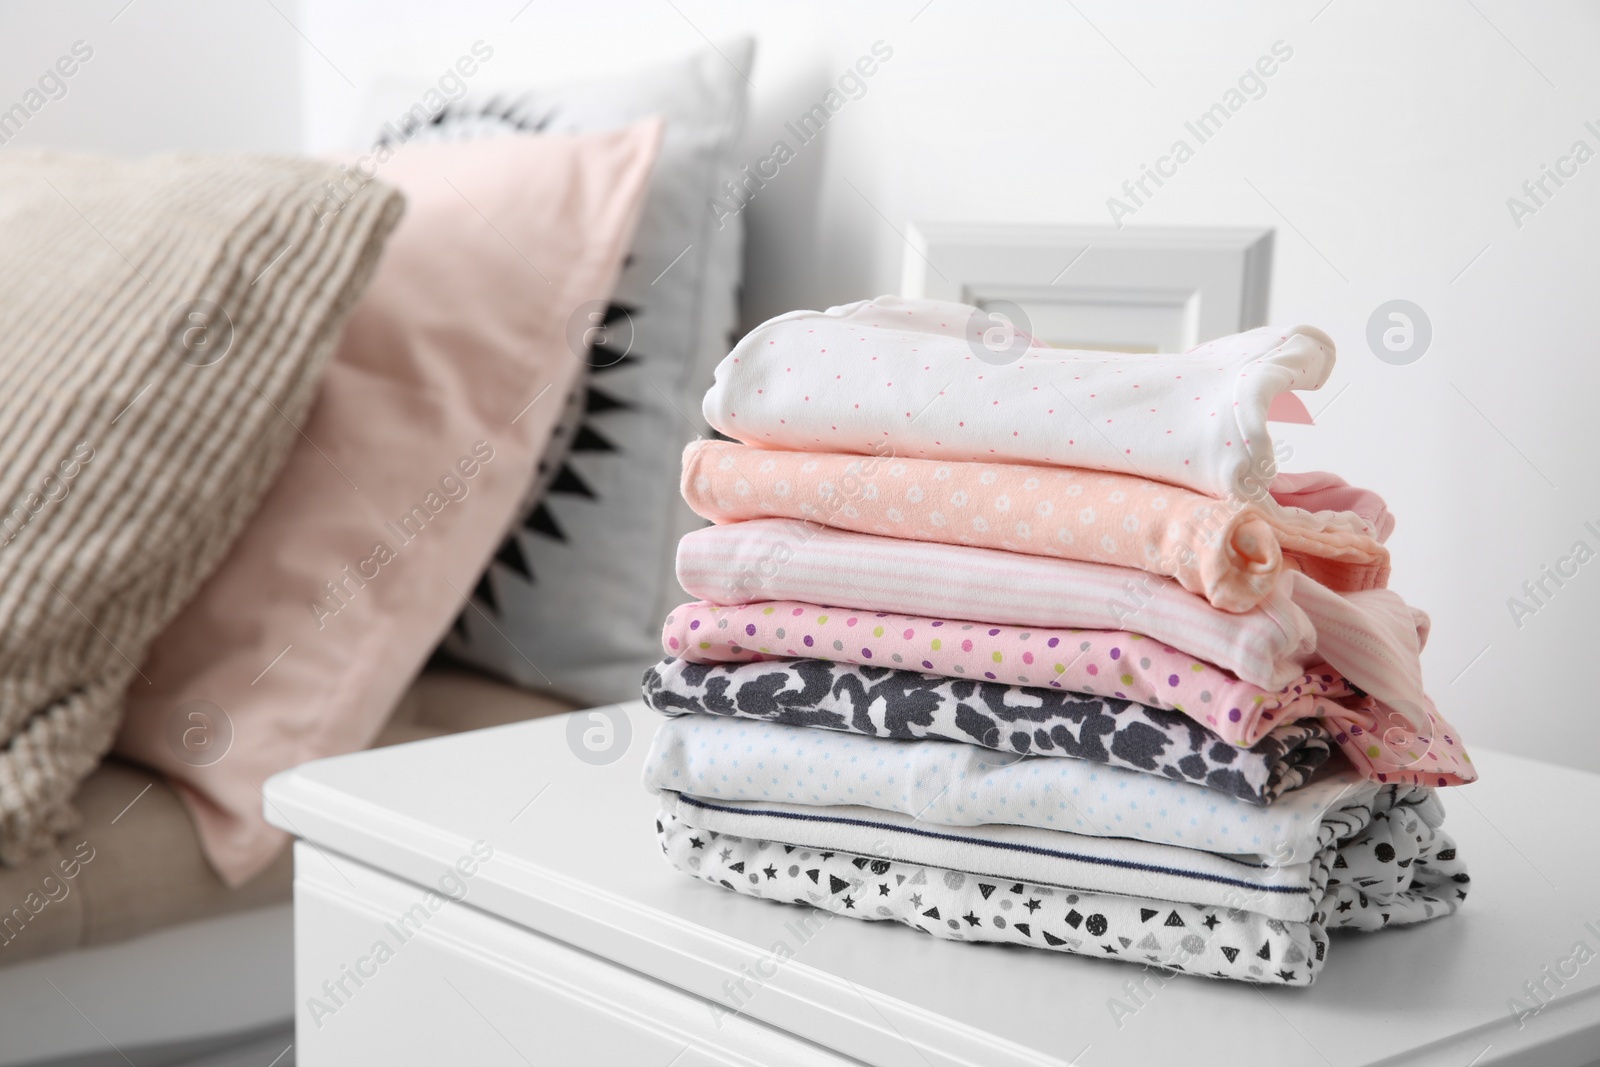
x=163 y=324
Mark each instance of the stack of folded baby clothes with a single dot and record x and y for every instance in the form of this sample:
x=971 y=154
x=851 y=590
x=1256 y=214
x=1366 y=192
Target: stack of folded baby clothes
x=1037 y=646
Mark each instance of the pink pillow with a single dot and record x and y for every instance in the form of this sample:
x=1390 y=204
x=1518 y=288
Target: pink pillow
x=424 y=436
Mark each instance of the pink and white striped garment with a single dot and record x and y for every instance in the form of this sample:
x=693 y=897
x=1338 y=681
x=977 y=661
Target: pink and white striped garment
x=780 y=559
x=1373 y=638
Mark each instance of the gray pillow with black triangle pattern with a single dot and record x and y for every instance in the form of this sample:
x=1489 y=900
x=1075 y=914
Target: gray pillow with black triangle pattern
x=574 y=599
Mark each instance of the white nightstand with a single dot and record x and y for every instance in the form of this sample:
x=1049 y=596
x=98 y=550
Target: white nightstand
x=563 y=952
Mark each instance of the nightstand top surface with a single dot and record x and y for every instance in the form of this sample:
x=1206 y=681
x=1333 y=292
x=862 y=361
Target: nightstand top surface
x=575 y=858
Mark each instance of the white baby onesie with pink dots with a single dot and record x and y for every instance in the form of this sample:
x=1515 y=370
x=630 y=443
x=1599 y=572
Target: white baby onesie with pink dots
x=916 y=378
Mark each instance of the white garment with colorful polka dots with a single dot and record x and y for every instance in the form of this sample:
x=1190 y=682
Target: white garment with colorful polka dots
x=913 y=378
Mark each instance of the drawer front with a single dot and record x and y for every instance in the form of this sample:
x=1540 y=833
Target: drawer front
x=389 y=972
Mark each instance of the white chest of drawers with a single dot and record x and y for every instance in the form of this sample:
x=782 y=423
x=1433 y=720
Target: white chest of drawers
x=493 y=898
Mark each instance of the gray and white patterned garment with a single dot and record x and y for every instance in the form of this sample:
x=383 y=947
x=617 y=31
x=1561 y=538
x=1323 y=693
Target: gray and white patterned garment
x=884 y=702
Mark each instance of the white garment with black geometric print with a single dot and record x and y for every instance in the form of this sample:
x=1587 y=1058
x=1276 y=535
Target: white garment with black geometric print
x=1278 y=885
x=1366 y=886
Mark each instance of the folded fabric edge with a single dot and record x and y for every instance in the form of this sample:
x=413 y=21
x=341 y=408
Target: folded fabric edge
x=1294 y=751
x=955 y=906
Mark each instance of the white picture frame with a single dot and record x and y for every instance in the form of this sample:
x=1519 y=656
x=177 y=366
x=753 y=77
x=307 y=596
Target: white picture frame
x=1138 y=289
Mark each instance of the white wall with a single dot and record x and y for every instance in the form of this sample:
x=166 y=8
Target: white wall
x=1389 y=142
x=165 y=75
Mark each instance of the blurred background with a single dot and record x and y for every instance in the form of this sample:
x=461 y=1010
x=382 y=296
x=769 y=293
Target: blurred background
x=1384 y=153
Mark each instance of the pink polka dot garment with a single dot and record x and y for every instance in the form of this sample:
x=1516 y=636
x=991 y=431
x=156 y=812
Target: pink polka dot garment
x=1100 y=662
x=914 y=376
